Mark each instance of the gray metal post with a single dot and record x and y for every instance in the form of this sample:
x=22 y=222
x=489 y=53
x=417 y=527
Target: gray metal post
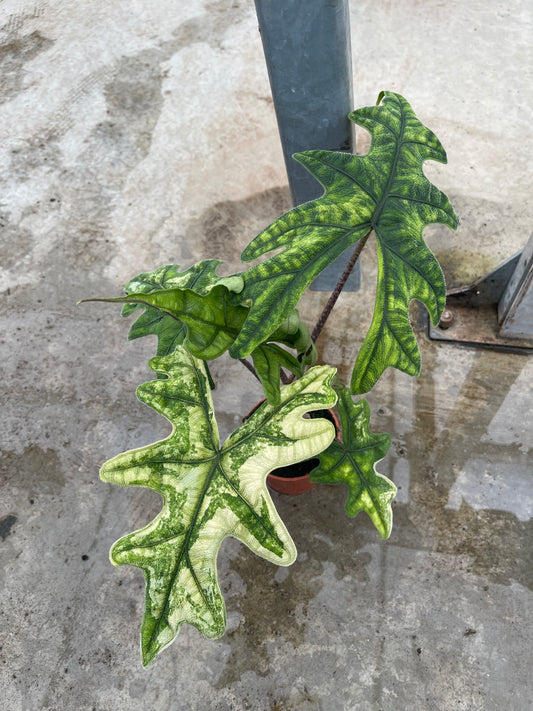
x=515 y=309
x=308 y=56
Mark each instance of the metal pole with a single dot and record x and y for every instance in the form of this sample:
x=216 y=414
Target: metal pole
x=308 y=56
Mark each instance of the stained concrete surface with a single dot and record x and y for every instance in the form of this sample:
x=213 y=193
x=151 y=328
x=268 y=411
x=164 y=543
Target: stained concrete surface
x=136 y=134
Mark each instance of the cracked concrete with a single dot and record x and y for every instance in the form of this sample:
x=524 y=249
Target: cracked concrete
x=138 y=134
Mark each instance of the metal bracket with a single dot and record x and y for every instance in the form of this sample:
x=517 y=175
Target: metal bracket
x=515 y=308
x=496 y=311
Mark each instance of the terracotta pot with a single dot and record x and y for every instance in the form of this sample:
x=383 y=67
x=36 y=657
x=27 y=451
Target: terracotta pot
x=294 y=479
x=291 y=484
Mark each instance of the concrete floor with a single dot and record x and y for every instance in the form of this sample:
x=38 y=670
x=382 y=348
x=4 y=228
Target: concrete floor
x=136 y=134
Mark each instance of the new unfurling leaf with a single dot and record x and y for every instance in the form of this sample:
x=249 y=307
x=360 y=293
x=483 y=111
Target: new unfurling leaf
x=269 y=359
x=210 y=492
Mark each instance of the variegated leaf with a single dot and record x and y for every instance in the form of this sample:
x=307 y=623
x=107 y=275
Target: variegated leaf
x=210 y=492
x=384 y=190
x=171 y=332
x=352 y=462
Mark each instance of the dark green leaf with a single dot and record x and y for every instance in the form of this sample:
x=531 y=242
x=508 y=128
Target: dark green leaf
x=211 y=320
x=268 y=360
x=170 y=332
x=352 y=462
x=384 y=190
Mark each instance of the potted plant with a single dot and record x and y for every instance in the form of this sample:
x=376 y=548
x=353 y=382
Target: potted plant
x=211 y=491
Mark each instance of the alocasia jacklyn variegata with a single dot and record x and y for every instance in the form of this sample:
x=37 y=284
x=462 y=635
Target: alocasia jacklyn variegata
x=211 y=492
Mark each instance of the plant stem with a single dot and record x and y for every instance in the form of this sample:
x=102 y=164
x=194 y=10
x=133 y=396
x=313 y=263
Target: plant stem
x=250 y=367
x=339 y=287
x=285 y=379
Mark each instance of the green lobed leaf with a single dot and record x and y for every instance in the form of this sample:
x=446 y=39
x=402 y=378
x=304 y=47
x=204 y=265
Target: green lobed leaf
x=384 y=190
x=352 y=462
x=210 y=321
x=200 y=278
x=268 y=359
x=210 y=493
x=195 y=308
x=207 y=323
x=407 y=269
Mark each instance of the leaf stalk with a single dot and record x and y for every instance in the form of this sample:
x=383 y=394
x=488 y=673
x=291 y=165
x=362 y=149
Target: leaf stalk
x=338 y=288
